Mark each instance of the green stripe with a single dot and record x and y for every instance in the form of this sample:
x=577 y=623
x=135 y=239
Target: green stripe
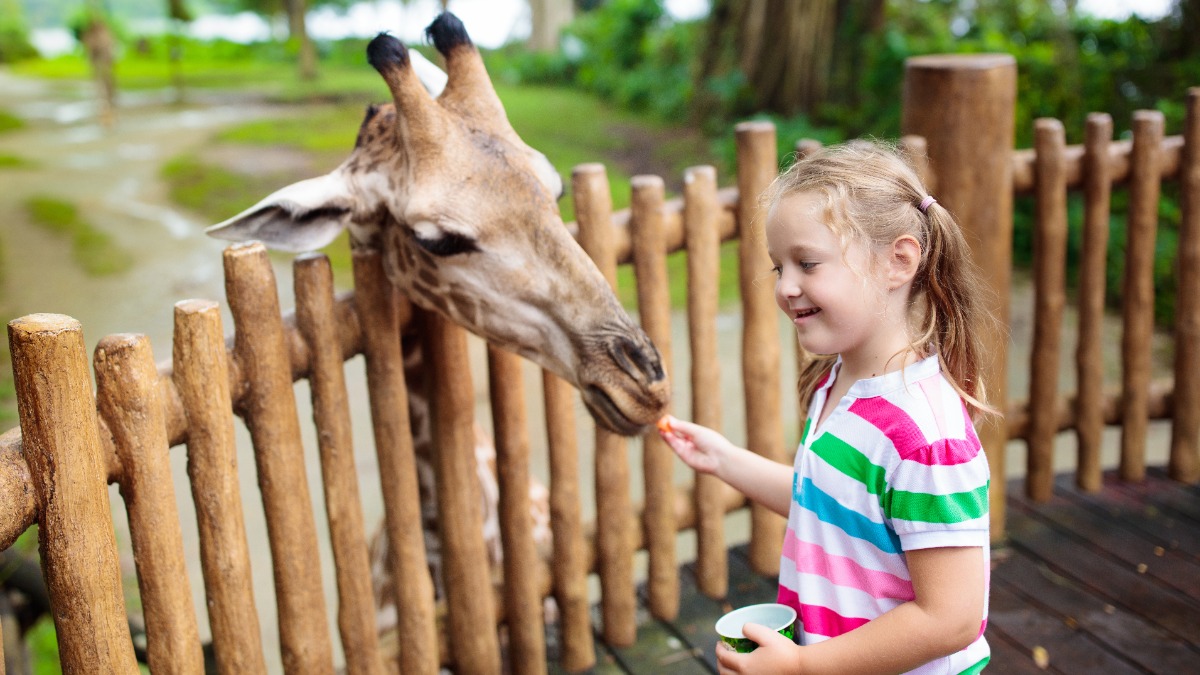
x=927 y=508
x=977 y=667
x=845 y=458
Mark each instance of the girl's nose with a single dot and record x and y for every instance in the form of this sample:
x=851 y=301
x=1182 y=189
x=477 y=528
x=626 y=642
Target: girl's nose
x=787 y=285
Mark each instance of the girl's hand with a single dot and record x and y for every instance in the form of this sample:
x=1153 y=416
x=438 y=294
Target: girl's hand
x=699 y=447
x=775 y=654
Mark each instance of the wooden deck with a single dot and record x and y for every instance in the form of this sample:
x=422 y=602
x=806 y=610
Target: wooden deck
x=1106 y=583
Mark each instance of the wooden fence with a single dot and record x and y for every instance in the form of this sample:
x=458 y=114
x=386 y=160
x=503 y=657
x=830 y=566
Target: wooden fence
x=71 y=443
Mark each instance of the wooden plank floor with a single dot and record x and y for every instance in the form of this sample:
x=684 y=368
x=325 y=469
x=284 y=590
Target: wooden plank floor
x=1105 y=583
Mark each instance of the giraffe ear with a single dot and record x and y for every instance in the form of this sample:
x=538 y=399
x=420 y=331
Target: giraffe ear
x=303 y=216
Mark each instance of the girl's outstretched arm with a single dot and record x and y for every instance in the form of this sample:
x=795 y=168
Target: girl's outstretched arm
x=765 y=481
x=945 y=617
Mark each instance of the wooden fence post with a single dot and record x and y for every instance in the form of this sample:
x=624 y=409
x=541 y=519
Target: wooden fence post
x=648 y=237
x=757 y=165
x=523 y=569
x=615 y=535
x=62 y=446
x=201 y=373
x=964 y=106
x=128 y=391
x=569 y=564
x=1184 y=463
x=317 y=321
x=1089 y=356
x=700 y=212
x=1137 y=295
x=471 y=621
x=380 y=310
x=1050 y=300
x=269 y=408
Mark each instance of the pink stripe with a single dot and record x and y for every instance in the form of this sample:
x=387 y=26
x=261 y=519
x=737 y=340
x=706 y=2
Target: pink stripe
x=824 y=621
x=818 y=620
x=908 y=438
x=842 y=571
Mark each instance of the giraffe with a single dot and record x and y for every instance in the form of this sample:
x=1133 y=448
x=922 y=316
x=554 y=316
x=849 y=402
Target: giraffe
x=466 y=216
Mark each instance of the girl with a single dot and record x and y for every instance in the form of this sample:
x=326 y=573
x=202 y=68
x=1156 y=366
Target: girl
x=886 y=554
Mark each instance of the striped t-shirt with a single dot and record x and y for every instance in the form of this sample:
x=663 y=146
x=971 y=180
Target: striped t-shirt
x=895 y=467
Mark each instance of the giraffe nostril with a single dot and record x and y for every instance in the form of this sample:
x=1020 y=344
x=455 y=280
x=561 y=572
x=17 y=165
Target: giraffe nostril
x=639 y=360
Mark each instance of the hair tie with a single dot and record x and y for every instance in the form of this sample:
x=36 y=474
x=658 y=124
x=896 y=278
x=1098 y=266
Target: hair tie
x=924 y=206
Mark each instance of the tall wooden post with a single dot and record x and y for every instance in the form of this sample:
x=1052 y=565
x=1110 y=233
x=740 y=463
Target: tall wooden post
x=964 y=105
x=62 y=446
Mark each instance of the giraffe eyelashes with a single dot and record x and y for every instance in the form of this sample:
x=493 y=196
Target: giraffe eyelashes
x=448 y=244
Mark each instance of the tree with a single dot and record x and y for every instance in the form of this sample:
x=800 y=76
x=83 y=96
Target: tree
x=295 y=11
x=94 y=32
x=548 y=17
x=788 y=51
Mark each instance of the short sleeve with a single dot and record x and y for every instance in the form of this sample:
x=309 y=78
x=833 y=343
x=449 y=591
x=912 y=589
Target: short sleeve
x=938 y=495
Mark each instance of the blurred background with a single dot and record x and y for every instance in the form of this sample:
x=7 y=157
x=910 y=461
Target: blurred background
x=128 y=126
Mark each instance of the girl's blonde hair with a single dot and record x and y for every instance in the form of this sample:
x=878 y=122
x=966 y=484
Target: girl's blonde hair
x=872 y=195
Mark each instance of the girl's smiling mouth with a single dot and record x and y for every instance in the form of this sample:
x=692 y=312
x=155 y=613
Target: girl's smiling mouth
x=801 y=314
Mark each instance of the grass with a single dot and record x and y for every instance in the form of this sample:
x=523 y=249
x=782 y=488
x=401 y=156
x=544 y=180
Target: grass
x=92 y=248
x=9 y=121
x=14 y=162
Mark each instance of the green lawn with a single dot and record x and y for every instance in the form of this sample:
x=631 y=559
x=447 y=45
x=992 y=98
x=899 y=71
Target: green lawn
x=92 y=248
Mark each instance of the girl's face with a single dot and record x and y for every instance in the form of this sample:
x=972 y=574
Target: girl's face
x=836 y=298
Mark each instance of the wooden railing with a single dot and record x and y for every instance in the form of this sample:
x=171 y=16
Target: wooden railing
x=71 y=443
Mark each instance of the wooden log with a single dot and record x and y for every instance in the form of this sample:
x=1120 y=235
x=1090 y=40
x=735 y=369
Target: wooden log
x=658 y=461
x=18 y=504
x=1137 y=297
x=964 y=105
x=382 y=311
x=129 y=396
x=916 y=151
x=201 y=377
x=1050 y=299
x=1184 y=461
x=615 y=531
x=1089 y=356
x=703 y=259
x=61 y=444
x=569 y=561
x=757 y=166
x=269 y=409
x=672 y=213
x=474 y=647
x=313 y=278
x=523 y=567
x=1170 y=164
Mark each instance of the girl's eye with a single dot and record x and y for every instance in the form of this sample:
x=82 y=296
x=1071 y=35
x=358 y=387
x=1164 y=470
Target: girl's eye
x=808 y=266
x=777 y=270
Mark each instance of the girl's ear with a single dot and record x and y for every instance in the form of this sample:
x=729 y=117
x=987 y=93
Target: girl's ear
x=903 y=260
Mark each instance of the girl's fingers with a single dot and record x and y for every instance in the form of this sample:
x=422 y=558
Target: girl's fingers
x=727 y=659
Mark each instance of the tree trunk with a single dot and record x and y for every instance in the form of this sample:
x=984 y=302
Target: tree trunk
x=548 y=18
x=298 y=33
x=784 y=48
x=97 y=41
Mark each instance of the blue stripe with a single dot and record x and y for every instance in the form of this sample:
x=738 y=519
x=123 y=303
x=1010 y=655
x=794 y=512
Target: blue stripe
x=828 y=510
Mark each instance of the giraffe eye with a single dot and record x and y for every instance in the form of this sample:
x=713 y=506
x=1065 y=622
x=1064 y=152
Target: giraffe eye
x=448 y=244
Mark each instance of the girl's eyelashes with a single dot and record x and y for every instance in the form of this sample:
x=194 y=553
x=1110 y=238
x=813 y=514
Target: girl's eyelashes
x=804 y=265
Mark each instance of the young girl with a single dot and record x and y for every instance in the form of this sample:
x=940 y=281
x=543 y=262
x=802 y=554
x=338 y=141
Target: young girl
x=886 y=553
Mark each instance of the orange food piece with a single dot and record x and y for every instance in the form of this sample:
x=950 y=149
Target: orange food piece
x=664 y=424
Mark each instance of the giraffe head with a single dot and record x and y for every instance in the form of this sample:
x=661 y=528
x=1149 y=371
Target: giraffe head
x=467 y=218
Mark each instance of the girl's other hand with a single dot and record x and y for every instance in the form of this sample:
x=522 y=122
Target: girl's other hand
x=699 y=447
x=775 y=653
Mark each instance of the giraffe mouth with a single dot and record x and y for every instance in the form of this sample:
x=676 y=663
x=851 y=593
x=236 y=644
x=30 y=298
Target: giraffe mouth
x=605 y=411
